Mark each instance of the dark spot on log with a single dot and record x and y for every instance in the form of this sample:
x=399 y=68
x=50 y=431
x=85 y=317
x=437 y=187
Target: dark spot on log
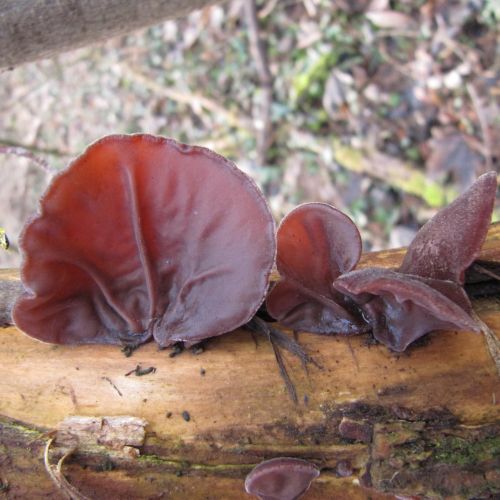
x=139 y=372
x=4 y=486
x=356 y=430
x=186 y=416
x=202 y=371
x=365 y=479
x=106 y=466
x=344 y=469
x=393 y=391
x=358 y=410
x=439 y=417
x=403 y=413
x=177 y=348
x=128 y=350
x=198 y=348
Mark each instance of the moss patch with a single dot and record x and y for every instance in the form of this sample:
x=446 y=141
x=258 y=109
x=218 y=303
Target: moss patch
x=458 y=451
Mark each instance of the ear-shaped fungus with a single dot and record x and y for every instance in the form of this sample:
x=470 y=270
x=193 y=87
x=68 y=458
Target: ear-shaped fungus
x=316 y=244
x=402 y=308
x=426 y=293
x=450 y=242
x=145 y=237
x=281 y=479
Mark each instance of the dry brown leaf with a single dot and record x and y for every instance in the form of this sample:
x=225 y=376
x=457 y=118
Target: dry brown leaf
x=452 y=154
x=390 y=19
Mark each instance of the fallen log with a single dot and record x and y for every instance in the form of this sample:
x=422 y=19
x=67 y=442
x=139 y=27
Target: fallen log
x=422 y=423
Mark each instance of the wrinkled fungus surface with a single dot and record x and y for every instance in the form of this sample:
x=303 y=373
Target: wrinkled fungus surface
x=320 y=292
x=144 y=237
x=281 y=479
x=402 y=308
x=425 y=294
x=316 y=244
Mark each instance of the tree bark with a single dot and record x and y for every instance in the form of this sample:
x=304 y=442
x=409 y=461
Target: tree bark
x=424 y=423
x=36 y=29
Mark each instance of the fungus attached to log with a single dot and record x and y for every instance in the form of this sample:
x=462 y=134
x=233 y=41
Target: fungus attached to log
x=402 y=308
x=281 y=479
x=425 y=294
x=143 y=237
x=316 y=244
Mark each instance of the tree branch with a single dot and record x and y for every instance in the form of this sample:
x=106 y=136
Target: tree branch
x=258 y=51
x=31 y=30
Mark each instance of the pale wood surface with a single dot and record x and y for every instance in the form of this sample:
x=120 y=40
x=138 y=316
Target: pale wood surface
x=240 y=412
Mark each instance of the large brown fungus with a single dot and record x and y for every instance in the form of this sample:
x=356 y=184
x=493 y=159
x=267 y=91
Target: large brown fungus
x=144 y=237
x=281 y=478
x=425 y=294
x=316 y=244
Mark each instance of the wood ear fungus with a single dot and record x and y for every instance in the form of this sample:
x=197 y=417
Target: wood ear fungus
x=316 y=244
x=281 y=479
x=425 y=293
x=143 y=237
x=321 y=292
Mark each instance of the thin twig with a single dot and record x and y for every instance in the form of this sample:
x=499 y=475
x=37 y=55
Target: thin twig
x=25 y=153
x=483 y=122
x=193 y=100
x=268 y=8
x=353 y=354
x=492 y=341
x=113 y=385
x=38 y=149
x=262 y=121
x=279 y=340
x=57 y=476
x=483 y=270
x=290 y=386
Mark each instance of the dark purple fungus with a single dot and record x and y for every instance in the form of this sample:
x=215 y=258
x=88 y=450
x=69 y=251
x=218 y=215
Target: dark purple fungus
x=425 y=294
x=281 y=479
x=143 y=237
x=402 y=308
x=316 y=244
x=448 y=244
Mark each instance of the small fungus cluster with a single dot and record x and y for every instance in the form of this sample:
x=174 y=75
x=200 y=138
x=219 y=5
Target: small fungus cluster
x=320 y=290
x=145 y=238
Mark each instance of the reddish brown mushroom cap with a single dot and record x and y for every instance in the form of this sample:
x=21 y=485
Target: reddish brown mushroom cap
x=402 y=308
x=316 y=244
x=448 y=244
x=144 y=236
x=281 y=479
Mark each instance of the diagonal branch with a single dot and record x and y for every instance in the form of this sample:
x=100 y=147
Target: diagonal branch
x=262 y=118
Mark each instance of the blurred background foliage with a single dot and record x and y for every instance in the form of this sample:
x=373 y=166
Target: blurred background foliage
x=385 y=109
